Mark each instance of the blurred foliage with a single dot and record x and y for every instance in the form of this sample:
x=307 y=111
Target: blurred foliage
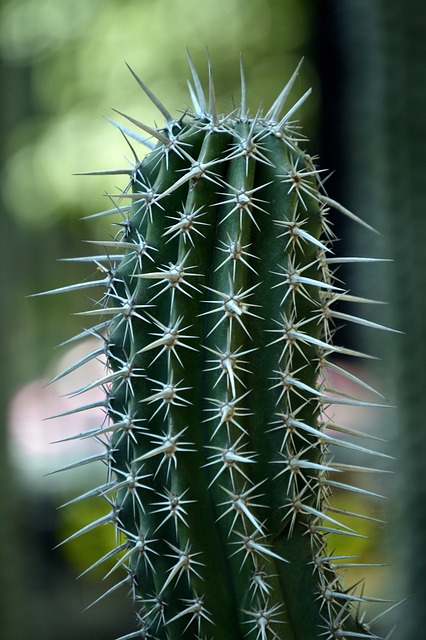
x=76 y=52
x=382 y=44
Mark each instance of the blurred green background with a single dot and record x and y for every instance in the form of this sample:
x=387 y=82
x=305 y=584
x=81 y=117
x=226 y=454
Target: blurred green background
x=62 y=70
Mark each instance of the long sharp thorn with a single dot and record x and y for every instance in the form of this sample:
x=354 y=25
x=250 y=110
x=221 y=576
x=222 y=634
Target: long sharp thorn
x=388 y=610
x=351 y=488
x=274 y=111
x=72 y=287
x=151 y=96
x=351 y=432
x=351 y=376
x=354 y=260
x=197 y=84
x=361 y=321
x=194 y=99
x=108 y=212
x=243 y=89
x=131 y=134
x=212 y=97
x=94 y=332
x=86 y=407
x=104 y=558
x=152 y=132
x=294 y=108
x=87 y=358
x=89 y=527
x=126 y=580
x=74 y=465
x=336 y=205
x=105 y=172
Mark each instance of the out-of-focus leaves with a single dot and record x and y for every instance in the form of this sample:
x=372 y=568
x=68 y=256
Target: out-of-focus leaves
x=77 y=52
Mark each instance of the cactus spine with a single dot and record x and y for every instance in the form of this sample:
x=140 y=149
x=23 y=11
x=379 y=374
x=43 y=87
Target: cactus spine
x=216 y=326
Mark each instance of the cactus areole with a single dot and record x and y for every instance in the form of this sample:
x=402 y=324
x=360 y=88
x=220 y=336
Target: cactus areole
x=216 y=327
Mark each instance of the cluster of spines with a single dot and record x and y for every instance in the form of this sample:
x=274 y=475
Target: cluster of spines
x=216 y=328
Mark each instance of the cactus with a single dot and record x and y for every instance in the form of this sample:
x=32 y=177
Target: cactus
x=216 y=327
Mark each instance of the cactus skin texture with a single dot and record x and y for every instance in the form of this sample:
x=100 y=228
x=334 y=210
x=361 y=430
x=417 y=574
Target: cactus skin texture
x=216 y=327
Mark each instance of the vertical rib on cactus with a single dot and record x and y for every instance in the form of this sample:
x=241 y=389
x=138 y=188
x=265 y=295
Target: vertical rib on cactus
x=216 y=325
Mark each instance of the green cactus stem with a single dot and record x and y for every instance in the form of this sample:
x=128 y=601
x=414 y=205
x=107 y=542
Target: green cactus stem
x=216 y=326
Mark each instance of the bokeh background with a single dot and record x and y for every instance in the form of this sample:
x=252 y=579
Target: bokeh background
x=62 y=69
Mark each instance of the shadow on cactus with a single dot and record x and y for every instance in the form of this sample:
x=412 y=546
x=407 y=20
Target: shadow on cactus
x=216 y=327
